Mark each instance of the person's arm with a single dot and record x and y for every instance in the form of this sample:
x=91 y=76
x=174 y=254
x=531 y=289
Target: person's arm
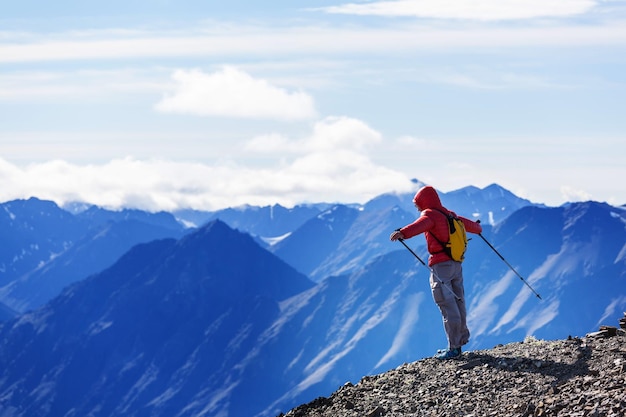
x=471 y=226
x=422 y=224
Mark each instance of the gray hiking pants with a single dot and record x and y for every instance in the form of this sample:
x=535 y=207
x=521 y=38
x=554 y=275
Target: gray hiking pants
x=450 y=273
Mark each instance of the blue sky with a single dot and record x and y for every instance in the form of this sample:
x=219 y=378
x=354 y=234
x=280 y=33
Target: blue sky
x=203 y=104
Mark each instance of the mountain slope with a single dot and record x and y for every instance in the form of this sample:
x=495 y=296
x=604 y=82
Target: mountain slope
x=341 y=329
x=158 y=333
x=97 y=217
x=43 y=248
x=572 y=255
x=6 y=312
x=342 y=239
x=32 y=232
x=92 y=253
x=214 y=325
x=267 y=221
x=492 y=204
x=308 y=246
x=365 y=240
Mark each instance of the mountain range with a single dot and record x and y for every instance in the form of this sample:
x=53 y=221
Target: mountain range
x=45 y=248
x=213 y=321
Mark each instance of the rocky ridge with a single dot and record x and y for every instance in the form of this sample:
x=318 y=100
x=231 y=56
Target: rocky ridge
x=573 y=377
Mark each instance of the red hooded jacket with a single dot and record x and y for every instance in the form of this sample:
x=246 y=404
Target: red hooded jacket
x=432 y=222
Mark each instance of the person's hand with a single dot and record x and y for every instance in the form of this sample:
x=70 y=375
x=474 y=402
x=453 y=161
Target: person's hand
x=396 y=235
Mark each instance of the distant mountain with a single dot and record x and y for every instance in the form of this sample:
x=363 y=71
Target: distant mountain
x=97 y=216
x=574 y=256
x=159 y=333
x=31 y=233
x=309 y=245
x=346 y=327
x=6 y=313
x=343 y=239
x=43 y=248
x=210 y=323
x=268 y=221
x=492 y=204
x=92 y=253
x=214 y=325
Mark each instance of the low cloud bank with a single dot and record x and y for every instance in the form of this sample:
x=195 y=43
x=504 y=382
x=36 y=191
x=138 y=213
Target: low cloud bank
x=330 y=165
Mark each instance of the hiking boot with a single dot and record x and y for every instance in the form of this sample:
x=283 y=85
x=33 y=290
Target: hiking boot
x=448 y=353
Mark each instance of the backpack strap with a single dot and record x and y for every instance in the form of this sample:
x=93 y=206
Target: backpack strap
x=444 y=245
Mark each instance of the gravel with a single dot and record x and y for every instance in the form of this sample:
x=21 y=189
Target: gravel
x=574 y=377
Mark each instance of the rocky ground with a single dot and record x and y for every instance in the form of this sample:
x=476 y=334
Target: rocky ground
x=574 y=377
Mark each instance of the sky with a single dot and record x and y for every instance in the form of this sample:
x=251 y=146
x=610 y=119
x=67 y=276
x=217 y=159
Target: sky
x=165 y=105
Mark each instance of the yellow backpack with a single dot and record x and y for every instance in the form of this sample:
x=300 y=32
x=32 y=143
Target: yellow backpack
x=457 y=242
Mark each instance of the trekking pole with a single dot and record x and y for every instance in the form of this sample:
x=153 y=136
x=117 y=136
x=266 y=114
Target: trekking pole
x=411 y=250
x=431 y=270
x=509 y=265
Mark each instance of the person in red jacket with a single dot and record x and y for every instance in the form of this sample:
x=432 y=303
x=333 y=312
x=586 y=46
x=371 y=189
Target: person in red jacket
x=446 y=279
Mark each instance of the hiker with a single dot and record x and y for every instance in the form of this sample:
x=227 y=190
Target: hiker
x=446 y=278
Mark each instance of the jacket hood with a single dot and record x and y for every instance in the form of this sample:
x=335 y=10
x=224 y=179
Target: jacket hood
x=427 y=198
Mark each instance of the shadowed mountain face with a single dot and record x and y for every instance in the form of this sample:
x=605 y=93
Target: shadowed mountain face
x=31 y=232
x=44 y=248
x=213 y=324
x=168 y=322
x=96 y=250
x=342 y=239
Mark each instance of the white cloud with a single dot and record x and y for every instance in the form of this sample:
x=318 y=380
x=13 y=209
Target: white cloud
x=330 y=165
x=81 y=84
x=231 y=92
x=572 y=194
x=334 y=157
x=475 y=77
x=342 y=132
x=332 y=135
x=254 y=42
x=473 y=10
x=270 y=143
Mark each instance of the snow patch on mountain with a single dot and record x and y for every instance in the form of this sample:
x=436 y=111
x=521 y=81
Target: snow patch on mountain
x=407 y=326
x=483 y=310
x=271 y=241
x=612 y=308
x=99 y=327
x=537 y=318
x=218 y=404
x=621 y=256
x=514 y=310
x=212 y=331
x=324 y=362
